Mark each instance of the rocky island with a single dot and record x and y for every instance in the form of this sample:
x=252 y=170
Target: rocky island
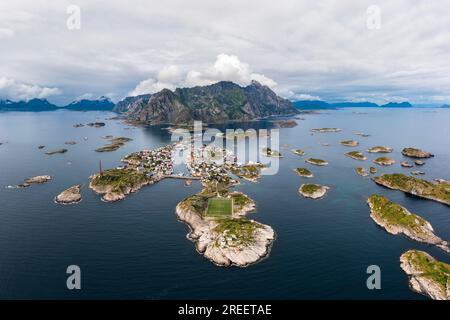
x=115 y=143
x=349 y=143
x=115 y=184
x=35 y=180
x=303 y=172
x=406 y=164
x=384 y=161
x=418 y=187
x=268 y=152
x=313 y=191
x=69 y=196
x=316 y=162
x=325 y=130
x=362 y=172
x=225 y=238
x=416 y=153
x=373 y=170
x=396 y=219
x=380 y=149
x=56 y=151
x=427 y=275
x=357 y=155
x=298 y=152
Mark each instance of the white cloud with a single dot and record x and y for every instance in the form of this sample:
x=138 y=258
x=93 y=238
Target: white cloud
x=321 y=48
x=225 y=68
x=6 y=33
x=15 y=90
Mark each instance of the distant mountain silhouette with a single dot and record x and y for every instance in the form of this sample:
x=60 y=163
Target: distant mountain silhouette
x=100 y=104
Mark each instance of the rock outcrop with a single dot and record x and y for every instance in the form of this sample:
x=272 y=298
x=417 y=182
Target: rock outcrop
x=426 y=275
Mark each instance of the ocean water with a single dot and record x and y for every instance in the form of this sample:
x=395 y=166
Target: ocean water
x=136 y=248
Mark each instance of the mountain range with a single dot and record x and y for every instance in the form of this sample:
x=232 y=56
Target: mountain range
x=216 y=103
x=319 y=104
x=100 y=104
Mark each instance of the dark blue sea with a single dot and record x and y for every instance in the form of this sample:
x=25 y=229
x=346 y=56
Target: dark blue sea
x=136 y=248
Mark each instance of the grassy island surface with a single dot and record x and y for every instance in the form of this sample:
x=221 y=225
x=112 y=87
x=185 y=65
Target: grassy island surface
x=237 y=232
x=427 y=275
x=415 y=186
x=304 y=172
x=357 y=155
x=317 y=162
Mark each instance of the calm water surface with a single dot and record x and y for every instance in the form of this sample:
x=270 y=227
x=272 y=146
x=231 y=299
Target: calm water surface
x=137 y=249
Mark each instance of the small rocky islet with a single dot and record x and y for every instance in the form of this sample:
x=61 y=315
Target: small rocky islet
x=71 y=195
x=416 y=153
x=384 y=161
x=325 y=130
x=268 y=152
x=313 y=191
x=115 y=143
x=303 y=172
x=349 y=143
x=316 y=162
x=299 y=152
x=361 y=171
x=34 y=180
x=356 y=155
x=380 y=149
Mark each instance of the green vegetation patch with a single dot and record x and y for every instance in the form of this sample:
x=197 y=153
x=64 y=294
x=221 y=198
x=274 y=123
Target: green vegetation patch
x=240 y=231
x=317 y=161
x=120 y=178
x=395 y=214
x=356 y=154
x=310 y=188
x=115 y=144
x=303 y=172
x=219 y=207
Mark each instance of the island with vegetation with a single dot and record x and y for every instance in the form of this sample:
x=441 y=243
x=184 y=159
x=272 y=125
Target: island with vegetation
x=114 y=144
x=303 y=172
x=416 y=153
x=299 y=152
x=52 y=152
x=384 y=161
x=406 y=164
x=324 y=130
x=396 y=219
x=313 y=191
x=373 y=170
x=316 y=162
x=427 y=275
x=380 y=149
x=115 y=184
x=421 y=188
x=362 y=172
x=357 y=155
x=35 y=180
x=268 y=152
x=349 y=143
x=220 y=230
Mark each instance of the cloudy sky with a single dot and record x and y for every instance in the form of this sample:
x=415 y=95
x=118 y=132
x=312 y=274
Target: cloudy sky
x=330 y=50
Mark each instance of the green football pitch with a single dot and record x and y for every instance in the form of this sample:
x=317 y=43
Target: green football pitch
x=218 y=207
